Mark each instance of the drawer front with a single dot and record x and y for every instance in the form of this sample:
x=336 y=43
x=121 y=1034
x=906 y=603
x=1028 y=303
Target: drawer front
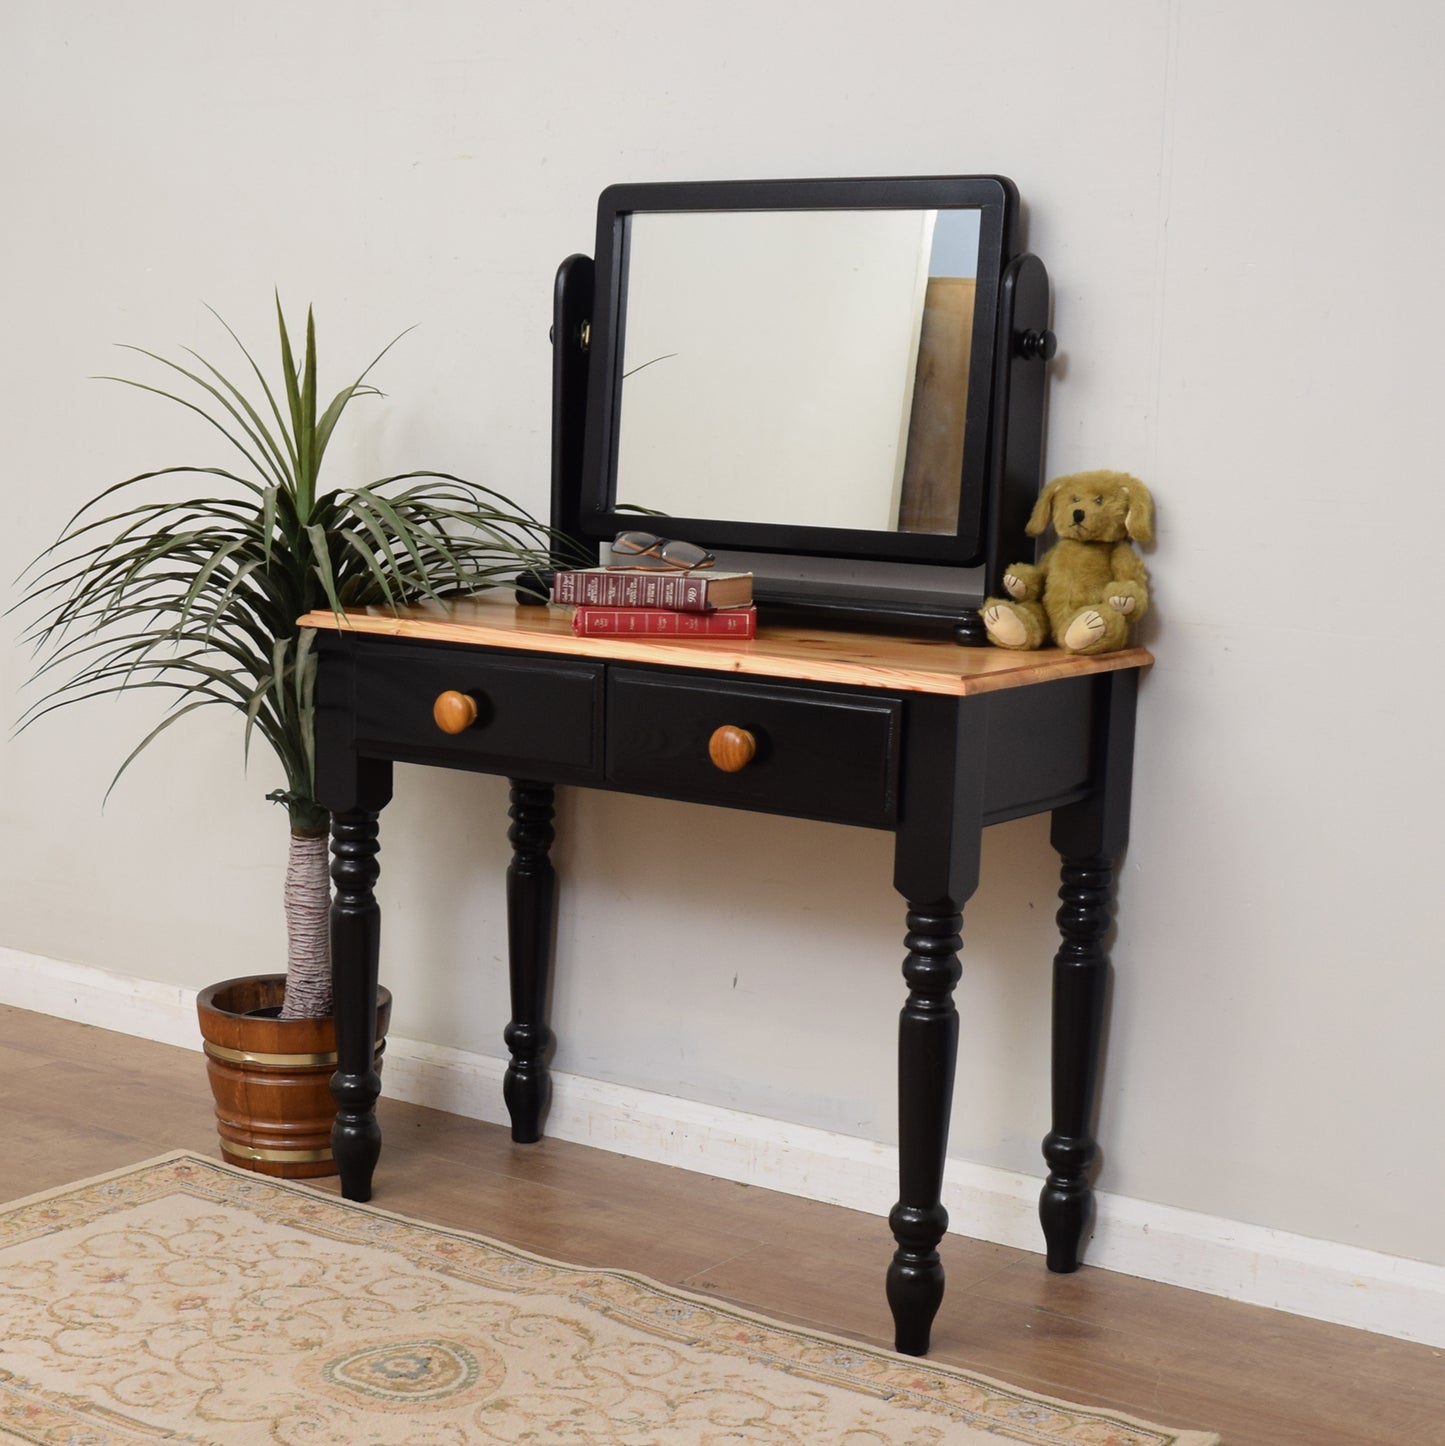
x=531 y=712
x=820 y=753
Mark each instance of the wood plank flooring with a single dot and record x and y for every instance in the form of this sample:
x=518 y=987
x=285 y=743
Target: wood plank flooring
x=78 y=1101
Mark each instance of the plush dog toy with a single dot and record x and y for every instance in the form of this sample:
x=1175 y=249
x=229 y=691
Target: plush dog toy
x=1090 y=585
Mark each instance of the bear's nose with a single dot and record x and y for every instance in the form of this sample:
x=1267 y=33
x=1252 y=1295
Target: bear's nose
x=1078 y=515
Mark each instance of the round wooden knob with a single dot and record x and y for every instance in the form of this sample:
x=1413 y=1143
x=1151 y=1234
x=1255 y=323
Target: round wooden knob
x=731 y=748
x=454 y=712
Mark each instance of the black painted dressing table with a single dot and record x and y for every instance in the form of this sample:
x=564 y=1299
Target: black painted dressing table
x=892 y=725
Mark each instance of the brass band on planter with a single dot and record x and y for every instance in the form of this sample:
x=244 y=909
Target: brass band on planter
x=282 y=1061
x=244 y=1056
x=293 y=1157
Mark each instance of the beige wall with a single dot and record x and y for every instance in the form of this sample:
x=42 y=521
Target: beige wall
x=1239 y=206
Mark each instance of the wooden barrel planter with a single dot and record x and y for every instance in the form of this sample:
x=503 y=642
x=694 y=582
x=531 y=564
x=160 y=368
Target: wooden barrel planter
x=271 y=1077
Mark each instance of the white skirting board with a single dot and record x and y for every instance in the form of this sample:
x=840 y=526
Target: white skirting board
x=1316 y=1278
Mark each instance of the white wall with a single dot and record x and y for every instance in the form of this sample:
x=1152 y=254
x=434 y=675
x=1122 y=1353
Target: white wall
x=1238 y=205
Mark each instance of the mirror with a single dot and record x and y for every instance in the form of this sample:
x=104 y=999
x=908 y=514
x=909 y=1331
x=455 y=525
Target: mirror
x=816 y=369
x=842 y=337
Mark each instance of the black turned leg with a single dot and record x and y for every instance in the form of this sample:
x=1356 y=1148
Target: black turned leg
x=531 y=888
x=927 y=1056
x=1081 y=977
x=1089 y=836
x=355 y=948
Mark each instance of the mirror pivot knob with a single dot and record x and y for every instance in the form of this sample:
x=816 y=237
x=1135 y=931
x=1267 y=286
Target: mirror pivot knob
x=454 y=712
x=1040 y=345
x=731 y=749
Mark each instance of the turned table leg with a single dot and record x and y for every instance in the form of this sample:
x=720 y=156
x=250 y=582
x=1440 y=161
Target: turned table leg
x=355 y=949
x=1081 y=976
x=531 y=891
x=935 y=869
x=927 y=1056
x=1089 y=836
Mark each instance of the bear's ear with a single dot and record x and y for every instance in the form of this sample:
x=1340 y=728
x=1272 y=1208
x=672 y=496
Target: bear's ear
x=1139 y=519
x=1043 y=508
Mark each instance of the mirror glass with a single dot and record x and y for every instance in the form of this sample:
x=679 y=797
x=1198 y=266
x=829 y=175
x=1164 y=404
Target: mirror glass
x=819 y=378
x=798 y=366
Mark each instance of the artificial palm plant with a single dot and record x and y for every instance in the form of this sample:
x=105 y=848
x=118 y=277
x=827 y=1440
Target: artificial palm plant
x=199 y=595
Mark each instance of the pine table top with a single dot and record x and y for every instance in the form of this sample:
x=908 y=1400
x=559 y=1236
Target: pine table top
x=820 y=655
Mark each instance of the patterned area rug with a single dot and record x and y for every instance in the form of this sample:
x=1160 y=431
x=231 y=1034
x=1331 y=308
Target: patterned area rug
x=185 y=1301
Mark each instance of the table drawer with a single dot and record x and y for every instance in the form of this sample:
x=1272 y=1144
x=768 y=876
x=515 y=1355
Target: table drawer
x=820 y=753
x=530 y=712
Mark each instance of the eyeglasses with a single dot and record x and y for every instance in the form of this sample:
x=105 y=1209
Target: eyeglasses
x=647 y=550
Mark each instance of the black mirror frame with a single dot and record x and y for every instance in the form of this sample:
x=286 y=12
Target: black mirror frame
x=1005 y=407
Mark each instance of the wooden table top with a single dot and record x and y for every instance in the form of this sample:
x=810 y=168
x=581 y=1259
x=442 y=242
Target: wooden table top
x=819 y=655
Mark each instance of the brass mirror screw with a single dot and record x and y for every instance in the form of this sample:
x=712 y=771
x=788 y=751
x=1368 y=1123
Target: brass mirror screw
x=454 y=712
x=731 y=749
x=584 y=335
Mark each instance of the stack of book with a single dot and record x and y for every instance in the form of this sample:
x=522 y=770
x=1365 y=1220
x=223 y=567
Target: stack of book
x=624 y=600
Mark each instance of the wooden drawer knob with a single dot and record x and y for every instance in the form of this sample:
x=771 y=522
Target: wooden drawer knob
x=731 y=748
x=454 y=712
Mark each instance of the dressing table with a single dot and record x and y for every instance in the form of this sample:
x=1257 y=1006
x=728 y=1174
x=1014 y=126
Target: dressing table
x=860 y=702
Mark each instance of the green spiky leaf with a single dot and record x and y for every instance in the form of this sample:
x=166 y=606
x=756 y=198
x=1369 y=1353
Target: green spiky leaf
x=200 y=594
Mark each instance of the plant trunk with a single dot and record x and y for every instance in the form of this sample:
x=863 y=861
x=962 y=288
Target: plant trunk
x=308 y=932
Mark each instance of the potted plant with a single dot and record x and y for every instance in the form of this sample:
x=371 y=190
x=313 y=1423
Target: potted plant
x=197 y=594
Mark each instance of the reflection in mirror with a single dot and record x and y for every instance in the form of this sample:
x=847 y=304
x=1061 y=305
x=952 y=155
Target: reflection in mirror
x=804 y=368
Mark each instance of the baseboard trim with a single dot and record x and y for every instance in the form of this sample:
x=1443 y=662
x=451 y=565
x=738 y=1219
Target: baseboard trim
x=1320 y=1279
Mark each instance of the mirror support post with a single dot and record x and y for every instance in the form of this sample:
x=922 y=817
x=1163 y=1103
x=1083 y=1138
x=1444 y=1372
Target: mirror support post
x=571 y=318
x=1025 y=345
x=572 y=297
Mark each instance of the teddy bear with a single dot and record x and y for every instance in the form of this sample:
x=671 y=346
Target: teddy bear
x=1091 y=584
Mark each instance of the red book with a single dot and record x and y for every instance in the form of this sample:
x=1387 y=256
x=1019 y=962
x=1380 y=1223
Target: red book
x=589 y=622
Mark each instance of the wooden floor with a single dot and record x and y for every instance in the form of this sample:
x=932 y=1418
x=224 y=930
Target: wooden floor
x=78 y=1101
